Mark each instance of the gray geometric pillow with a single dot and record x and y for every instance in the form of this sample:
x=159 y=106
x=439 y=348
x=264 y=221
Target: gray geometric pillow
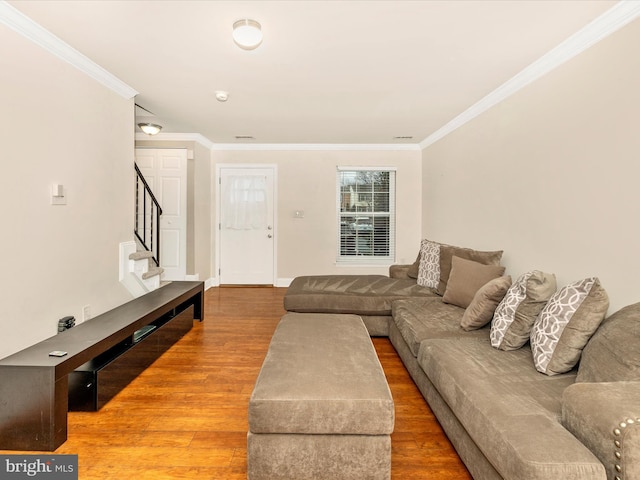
x=518 y=310
x=429 y=270
x=566 y=324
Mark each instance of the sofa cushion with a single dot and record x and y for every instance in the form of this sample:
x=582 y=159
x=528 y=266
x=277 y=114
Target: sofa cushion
x=612 y=354
x=419 y=319
x=605 y=416
x=510 y=411
x=447 y=252
x=356 y=294
x=429 y=264
x=518 y=310
x=480 y=310
x=565 y=325
x=466 y=278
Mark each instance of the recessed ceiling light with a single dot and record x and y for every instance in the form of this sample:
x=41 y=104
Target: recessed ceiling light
x=222 y=96
x=247 y=34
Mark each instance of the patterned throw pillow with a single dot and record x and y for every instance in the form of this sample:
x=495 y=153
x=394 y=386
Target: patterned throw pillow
x=429 y=270
x=566 y=324
x=518 y=310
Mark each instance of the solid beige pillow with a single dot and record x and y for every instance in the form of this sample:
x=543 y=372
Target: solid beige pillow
x=466 y=278
x=484 y=303
x=447 y=252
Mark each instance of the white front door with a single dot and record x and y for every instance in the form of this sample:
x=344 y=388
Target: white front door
x=166 y=173
x=246 y=226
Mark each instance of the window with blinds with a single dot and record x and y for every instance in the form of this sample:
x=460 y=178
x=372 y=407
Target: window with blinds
x=366 y=215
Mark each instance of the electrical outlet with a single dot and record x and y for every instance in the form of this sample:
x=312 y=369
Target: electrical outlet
x=86 y=313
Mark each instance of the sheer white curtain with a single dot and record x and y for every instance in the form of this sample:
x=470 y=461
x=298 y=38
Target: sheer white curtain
x=244 y=202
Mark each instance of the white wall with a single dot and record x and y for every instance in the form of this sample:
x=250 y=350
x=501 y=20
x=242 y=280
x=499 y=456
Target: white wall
x=307 y=181
x=57 y=125
x=551 y=174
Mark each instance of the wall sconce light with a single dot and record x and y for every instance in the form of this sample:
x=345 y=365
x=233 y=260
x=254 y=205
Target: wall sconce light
x=247 y=34
x=150 y=128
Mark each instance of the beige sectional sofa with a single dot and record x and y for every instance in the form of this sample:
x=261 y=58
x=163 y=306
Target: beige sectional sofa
x=533 y=411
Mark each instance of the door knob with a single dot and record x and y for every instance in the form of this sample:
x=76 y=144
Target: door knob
x=269 y=227
x=269 y=236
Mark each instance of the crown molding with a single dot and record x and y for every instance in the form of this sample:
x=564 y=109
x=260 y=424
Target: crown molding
x=612 y=20
x=317 y=146
x=202 y=140
x=20 y=23
x=177 y=137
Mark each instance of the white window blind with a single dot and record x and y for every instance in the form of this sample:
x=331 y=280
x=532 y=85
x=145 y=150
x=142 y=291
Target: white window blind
x=366 y=215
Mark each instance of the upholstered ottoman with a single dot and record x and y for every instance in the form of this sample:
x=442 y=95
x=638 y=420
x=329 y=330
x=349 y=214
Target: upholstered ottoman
x=321 y=407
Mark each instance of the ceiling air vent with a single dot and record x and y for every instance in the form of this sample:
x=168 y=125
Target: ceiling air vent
x=244 y=137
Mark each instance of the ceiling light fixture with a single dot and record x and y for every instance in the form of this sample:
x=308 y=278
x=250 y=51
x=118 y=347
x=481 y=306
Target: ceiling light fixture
x=150 y=128
x=247 y=34
x=222 y=96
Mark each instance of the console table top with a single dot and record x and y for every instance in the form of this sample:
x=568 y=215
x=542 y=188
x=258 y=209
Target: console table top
x=86 y=340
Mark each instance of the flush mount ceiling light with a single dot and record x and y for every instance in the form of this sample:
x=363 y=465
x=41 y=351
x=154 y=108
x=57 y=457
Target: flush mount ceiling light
x=247 y=34
x=222 y=96
x=150 y=128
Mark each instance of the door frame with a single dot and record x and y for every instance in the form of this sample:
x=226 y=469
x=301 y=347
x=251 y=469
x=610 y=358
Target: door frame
x=218 y=220
x=184 y=200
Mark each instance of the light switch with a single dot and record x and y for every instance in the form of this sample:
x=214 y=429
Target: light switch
x=57 y=194
x=298 y=214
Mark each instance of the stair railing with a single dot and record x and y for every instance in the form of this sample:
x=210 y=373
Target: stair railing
x=148 y=211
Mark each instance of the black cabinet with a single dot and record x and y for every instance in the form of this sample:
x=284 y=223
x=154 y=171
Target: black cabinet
x=112 y=348
x=96 y=382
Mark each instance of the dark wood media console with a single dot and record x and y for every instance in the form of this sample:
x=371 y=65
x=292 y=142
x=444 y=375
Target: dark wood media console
x=96 y=382
x=103 y=356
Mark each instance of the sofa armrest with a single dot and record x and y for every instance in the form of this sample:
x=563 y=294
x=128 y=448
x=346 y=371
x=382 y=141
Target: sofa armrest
x=605 y=417
x=399 y=271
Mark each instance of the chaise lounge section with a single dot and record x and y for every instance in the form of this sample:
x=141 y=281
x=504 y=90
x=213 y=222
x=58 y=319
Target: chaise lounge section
x=369 y=296
x=514 y=403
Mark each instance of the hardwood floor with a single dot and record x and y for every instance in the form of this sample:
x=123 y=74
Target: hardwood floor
x=185 y=417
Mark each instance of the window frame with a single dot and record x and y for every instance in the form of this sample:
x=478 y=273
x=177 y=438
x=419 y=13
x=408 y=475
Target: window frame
x=363 y=260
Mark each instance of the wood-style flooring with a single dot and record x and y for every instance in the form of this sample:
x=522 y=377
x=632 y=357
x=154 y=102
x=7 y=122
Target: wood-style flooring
x=185 y=417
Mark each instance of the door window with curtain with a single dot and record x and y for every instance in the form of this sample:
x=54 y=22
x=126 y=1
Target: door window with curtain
x=366 y=215
x=244 y=203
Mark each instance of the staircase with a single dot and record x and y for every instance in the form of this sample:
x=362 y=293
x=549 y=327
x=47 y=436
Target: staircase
x=140 y=270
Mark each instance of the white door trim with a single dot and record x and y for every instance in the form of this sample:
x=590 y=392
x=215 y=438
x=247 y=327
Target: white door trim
x=182 y=217
x=218 y=219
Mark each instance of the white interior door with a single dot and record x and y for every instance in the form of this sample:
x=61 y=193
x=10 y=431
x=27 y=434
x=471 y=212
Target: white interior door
x=247 y=230
x=165 y=170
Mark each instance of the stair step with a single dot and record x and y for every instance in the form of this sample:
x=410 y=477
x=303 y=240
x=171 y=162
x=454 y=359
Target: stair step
x=153 y=271
x=140 y=255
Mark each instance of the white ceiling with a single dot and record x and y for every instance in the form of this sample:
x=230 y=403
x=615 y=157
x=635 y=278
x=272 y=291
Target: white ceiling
x=336 y=72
